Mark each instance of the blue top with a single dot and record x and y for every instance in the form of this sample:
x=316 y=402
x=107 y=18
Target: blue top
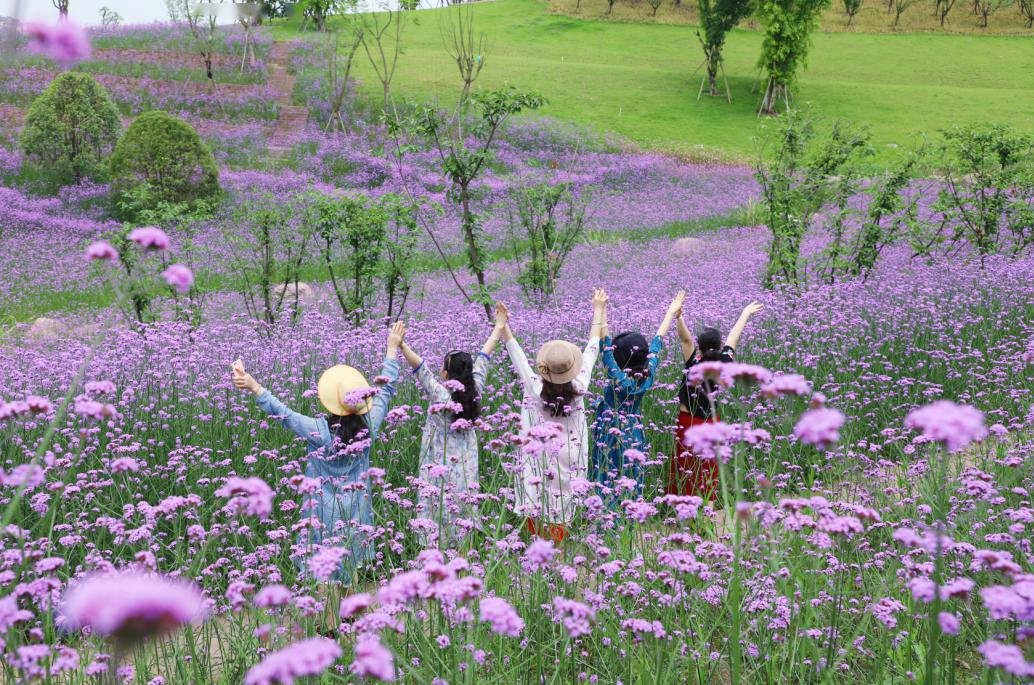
x=342 y=504
x=618 y=425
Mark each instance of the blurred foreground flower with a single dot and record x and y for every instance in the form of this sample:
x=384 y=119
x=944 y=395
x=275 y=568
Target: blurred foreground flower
x=819 y=427
x=372 y=659
x=309 y=657
x=179 y=277
x=64 y=42
x=150 y=238
x=131 y=606
x=953 y=425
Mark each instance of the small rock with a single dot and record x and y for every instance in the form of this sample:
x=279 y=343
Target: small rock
x=687 y=245
x=44 y=329
x=305 y=294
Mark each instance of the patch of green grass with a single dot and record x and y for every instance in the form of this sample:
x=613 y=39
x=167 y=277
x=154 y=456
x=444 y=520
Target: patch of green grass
x=636 y=79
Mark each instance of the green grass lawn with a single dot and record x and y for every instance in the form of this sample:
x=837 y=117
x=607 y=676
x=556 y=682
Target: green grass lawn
x=634 y=79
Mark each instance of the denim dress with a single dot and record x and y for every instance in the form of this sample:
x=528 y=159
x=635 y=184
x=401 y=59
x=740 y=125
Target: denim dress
x=342 y=503
x=618 y=425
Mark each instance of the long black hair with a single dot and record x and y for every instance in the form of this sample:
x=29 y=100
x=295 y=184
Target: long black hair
x=697 y=398
x=557 y=398
x=346 y=429
x=459 y=366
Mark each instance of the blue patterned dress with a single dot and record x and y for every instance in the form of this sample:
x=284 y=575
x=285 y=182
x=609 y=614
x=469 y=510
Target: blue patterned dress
x=618 y=425
x=342 y=504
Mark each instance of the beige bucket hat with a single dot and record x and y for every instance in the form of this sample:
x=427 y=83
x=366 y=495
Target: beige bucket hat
x=559 y=361
x=336 y=384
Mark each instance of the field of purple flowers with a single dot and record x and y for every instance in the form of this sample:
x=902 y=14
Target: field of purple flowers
x=151 y=510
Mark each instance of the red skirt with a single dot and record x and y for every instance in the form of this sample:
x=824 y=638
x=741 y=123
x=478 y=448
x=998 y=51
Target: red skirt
x=688 y=474
x=548 y=531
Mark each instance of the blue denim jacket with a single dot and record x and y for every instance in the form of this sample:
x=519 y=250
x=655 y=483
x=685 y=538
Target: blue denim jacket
x=343 y=504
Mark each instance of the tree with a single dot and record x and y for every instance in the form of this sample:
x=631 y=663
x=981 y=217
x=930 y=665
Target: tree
x=788 y=26
x=248 y=15
x=797 y=177
x=985 y=8
x=717 y=18
x=886 y=217
x=399 y=250
x=62 y=8
x=382 y=41
x=1027 y=12
x=654 y=5
x=318 y=11
x=162 y=159
x=268 y=249
x=349 y=231
x=201 y=22
x=339 y=69
x=71 y=127
x=851 y=8
x=944 y=7
x=900 y=7
x=550 y=219
x=110 y=17
x=465 y=46
x=986 y=201
x=463 y=155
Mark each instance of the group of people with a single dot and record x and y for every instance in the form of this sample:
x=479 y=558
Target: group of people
x=559 y=443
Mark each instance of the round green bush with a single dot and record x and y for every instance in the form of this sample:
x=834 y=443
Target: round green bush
x=161 y=159
x=71 y=127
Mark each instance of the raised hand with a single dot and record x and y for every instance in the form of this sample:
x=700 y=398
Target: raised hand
x=599 y=299
x=675 y=308
x=753 y=308
x=396 y=334
x=502 y=314
x=242 y=379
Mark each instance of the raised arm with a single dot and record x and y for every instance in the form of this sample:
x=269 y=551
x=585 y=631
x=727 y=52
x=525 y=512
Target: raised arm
x=685 y=337
x=412 y=358
x=390 y=371
x=673 y=310
x=750 y=310
x=599 y=314
x=502 y=317
x=299 y=424
x=517 y=356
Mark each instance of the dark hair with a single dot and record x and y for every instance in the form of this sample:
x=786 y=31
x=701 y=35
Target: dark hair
x=710 y=343
x=697 y=398
x=459 y=366
x=631 y=352
x=557 y=398
x=346 y=428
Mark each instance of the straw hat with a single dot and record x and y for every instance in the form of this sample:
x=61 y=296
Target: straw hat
x=559 y=361
x=336 y=384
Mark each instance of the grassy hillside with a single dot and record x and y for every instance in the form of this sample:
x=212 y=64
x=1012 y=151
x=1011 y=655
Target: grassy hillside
x=634 y=79
x=873 y=17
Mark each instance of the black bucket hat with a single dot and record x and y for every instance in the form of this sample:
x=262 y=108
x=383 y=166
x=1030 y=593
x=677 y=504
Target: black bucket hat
x=631 y=351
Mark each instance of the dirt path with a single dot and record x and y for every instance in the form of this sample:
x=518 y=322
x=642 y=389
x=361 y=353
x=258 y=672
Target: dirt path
x=293 y=119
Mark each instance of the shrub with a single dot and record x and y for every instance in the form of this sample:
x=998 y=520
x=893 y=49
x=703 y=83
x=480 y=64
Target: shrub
x=71 y=127
x=161 y=159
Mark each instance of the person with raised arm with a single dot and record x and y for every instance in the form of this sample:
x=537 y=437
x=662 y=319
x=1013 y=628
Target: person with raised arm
x=688 y=474
x=631 y=366
x=338 y=453
x=554 y=433
x=449 y=445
